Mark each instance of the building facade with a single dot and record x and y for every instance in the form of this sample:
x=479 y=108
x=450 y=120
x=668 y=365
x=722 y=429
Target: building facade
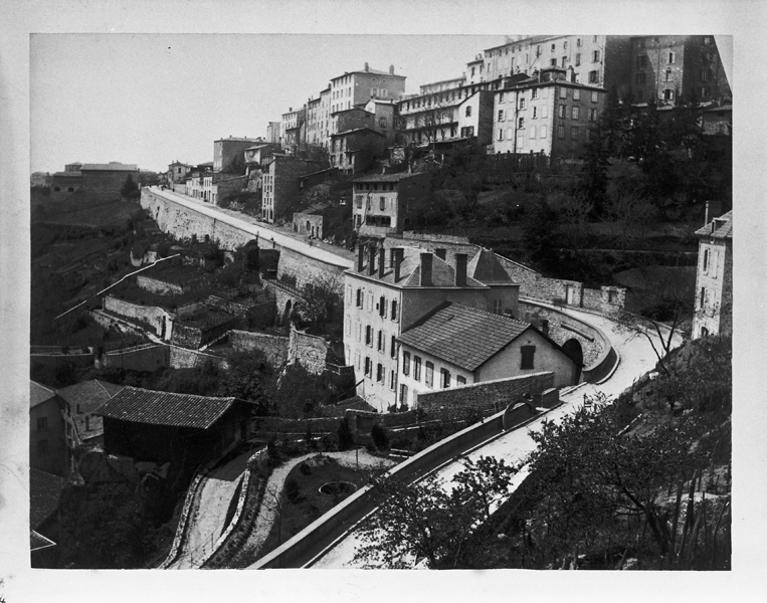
x=545 y=114
x=227 y=153
x=354 y=151
x=273 y=132
x=280 y=185
x=48 y=449
x=177 y=172
x=381 y=202
x=713 y=282
x=387 y=291
x=358 y=87
x=457 y=345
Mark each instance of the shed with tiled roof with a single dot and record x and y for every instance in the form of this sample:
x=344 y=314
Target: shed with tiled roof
x=166 y=426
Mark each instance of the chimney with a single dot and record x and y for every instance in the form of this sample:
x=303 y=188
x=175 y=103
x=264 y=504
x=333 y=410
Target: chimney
x=426 y=270
x=367 y=67
x=460 y=269
x=360 y=257
x=397 y=255
x=705 y=219
x=381 y=263
x=391 y=69
x=372 y=259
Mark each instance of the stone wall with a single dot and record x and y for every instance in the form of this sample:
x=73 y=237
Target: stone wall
x=154 y=316
x=309 y=350
x=183 y=358
x=158 y=286
x=140 y=358
x=194 y=337
x=274 y=347
x=483 y=398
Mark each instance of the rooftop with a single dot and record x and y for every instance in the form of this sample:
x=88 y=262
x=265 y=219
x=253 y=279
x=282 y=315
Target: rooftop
x=486 y=268
x=137 y=405
x=85 y=398
x=44 y=491
x=718 y=228
x=463 y=336
x=368 y=71
x=38 y=393
x=356 y=131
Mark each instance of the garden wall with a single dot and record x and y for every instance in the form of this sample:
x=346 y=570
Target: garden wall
x=274 y=347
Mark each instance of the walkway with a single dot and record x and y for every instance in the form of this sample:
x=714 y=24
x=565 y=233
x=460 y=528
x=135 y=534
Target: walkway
x=317 y=250
x=207 y=520
x=636 y=358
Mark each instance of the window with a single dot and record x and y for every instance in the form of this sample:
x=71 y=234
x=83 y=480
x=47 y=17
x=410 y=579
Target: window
x=553 y=62
x=468 y=111
x=574 y=132
x=460 y=380
x=500 y=97
x=553 y=48
x=403 y=394
x=380 y=345
x=543 y=133
x=42 y=447
x=393 y=347
x=382 y=203
x=564 y=45
x=382 y=123
x=417 y=368
x=429 y=374
x=379 y=373
x=576 y=94
x=562 y=111
x=521 y=122
x=369 y=335
x=562 y=92
x=42 y=423
x=405 y=363
x=577 y=59
x=560 y=131
x=564 y=62
x=535 y=112
x=534 y=93
x=500 y=134
x=668 y=75
x=576 y=112
x=500 y=115
x=368 y=367
x=522 y=102
x=668 y=95
x=392 y=380
x=593 y=77
x=595 y=57
x=702 y=297
x=394 y=309
x=444 y=378
x=671 y=58
x=594 y=96
x=528 y=353
x=705 y=269
x=532 y=132
x=592 y=114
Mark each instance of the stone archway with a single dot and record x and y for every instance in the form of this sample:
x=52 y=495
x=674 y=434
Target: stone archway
x=572 y=347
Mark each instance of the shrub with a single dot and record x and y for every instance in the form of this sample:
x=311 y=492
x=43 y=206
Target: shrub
x=292 y=490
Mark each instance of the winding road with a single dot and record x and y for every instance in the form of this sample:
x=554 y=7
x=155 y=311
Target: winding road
x=636 y=358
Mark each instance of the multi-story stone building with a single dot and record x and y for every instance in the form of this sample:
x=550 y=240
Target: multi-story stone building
x=390 y=288
x=381 y=202
x=384 y=113
x=450 y=115
x=358 y=87
x=442 y=85
x=177 y=172
x=456 y=345
x=314 y=121
x=106 y=180
x=280 y=185
x=227 y=153
x=292 y=126
x=273 y=132
x=545 y=114
x=354 y=151
x=713 y=281
x=670 y=69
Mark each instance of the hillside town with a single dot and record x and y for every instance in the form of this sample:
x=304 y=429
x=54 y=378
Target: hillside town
x=500 y=305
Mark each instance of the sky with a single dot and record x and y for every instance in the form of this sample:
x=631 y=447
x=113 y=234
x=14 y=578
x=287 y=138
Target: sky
x=150 y=99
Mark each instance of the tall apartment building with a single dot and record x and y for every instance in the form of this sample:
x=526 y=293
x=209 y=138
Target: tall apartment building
x=279 y=185
x=292 y=126
x=390 y=288
x=713 y=281
x=666 y=69
x=358 y=87
x=546 y=114
x=449 y=115
x=273 y=132
x=313 y=121
x=597 y=60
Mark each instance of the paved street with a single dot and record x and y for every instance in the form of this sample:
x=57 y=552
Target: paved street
x=636 y=358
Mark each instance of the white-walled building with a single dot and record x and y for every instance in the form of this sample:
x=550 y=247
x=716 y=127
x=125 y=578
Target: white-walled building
x=388 y=290
x=713 y=281
x=457 y=345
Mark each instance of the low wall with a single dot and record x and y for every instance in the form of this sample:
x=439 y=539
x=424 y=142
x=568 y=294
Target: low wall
x=274 y=347
x=480 y=398
x=309 y=350
x=303 y=548
x=140 y=358
x=157 y=286
x=183 y=358
x=154 y=316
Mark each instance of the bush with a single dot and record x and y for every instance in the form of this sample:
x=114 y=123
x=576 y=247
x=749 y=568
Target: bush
x=292 y=490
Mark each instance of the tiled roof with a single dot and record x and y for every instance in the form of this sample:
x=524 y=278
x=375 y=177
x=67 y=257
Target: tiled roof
x=38 y=394
x=44 y=492
x=88 y=396
x=486 y=268
x=463 y=336
x=718 y=228
x=138 y=405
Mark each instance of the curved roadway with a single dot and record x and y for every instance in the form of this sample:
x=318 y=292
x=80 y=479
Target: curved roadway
x=636 y=358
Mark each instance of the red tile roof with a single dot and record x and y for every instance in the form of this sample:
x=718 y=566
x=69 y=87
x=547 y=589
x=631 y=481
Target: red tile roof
x=138 y=405
x=463 y=336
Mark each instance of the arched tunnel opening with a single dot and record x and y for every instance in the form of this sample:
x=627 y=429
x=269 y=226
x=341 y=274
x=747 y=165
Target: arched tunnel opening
x=572 y=347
